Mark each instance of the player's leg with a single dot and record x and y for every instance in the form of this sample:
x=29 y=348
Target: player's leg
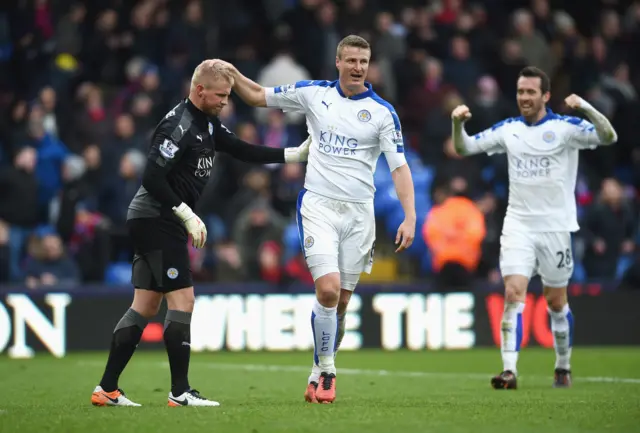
x=556 y=268
x=177 y=283
x=356 y=254
x=324 y=324
x=343 y=302
x=318 y=233
x=177 y=341
x=124 y=340
x=146 y=302
x=345 y=296
x=517 y=264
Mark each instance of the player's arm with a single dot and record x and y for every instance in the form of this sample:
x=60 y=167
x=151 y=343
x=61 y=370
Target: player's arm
x=392 y=145
x=598 y=132
x=166 y=150
x=249 y=91
x=488 y=141
x=164 y=153
x=286 y=97
x=227 y=142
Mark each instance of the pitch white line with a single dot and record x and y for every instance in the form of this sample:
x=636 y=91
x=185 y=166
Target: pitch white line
x=382 y=373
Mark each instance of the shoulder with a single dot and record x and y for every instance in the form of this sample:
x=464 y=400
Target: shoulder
x=303 y=85
x=176 y=123
x=507 y=123
x=573 y=122
x=217 y=125
x=385 y=109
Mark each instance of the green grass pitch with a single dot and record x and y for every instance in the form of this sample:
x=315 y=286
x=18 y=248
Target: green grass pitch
x=397 y=392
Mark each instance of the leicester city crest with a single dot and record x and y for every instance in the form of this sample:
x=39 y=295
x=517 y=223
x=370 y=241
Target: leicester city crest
x=364 y=115
x=548 y=136
x=210 y=128
x=308 y=242
x=172 y=273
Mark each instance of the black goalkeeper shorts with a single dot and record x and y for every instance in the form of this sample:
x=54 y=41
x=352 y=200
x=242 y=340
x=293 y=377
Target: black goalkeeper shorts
x=161 y=255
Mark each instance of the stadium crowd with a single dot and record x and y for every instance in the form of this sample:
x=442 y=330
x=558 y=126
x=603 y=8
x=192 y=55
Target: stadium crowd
x=83 y=84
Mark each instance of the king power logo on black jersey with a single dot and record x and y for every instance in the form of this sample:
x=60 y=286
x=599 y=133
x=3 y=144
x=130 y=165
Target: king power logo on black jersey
x=205 y=164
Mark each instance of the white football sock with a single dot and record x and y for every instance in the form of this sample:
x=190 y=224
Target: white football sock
x=324 y=323
x=511 y=335
x=562 y=329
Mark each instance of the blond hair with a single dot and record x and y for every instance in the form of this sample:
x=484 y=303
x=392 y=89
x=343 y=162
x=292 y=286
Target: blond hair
x=210 y=71
x=352 y=41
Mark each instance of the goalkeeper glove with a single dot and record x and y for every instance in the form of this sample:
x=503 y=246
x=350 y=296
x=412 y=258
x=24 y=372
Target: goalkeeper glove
x=298 y=154
x=193 y=224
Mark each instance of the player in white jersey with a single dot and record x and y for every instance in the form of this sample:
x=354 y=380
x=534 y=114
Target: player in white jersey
x=350 y=126
x=542 y=151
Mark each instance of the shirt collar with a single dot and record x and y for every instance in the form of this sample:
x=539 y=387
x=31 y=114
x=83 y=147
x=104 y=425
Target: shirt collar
x=366 y=94
x=549 y=116
x=198 y=114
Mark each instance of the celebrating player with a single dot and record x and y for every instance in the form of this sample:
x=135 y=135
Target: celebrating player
x=350 y=126
x=160 y=219
x=542 y=150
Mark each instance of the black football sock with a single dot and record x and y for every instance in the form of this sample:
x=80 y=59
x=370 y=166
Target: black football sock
x=177 y=340
x=124 y=341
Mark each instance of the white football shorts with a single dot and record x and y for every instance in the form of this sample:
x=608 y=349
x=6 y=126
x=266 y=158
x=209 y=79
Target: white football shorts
x=548 y=254
x=336 y=236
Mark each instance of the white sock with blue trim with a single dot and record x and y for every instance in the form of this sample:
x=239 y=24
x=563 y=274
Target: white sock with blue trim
x=324 y=324
x=562 y=330
x=511 y=335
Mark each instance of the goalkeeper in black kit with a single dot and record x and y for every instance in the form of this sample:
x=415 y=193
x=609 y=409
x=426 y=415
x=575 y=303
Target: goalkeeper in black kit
x=160 y=220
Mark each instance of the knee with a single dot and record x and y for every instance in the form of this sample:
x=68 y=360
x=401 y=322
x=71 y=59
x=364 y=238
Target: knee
x=556 y=300
x=514 y=292
x=181 y=300
x=147 y=308
x=328 y=290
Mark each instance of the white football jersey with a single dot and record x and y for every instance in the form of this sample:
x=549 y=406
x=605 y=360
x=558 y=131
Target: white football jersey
x=543 y=166
x=348 y=134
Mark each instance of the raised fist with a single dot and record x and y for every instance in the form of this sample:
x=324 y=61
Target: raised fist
x=461 y=113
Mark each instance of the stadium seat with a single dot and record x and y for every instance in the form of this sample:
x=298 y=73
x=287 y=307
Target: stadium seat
x=393 y=220
x=488 y=173
x=422 y=178
x=385 y=201
x=624 y=263
x=118 y=273
x=413 y=159
x=291 y=241
x=579 y=273
x=216 y=229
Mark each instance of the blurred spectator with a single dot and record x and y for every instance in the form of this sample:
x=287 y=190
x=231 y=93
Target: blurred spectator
x=258 y=233
x=462 y=70
x=532 y=43
x=19 y=211
x=454 y=231
x=282 y=69
x=48 y=263
x=609 y=229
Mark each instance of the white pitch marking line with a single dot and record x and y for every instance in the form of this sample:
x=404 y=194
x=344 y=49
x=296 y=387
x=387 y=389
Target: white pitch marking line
x=364 y=372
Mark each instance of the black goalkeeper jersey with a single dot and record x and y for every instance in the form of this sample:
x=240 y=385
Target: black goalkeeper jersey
x=181 y=157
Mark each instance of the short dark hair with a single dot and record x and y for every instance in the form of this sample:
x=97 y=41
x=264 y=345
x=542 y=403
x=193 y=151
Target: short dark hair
x=533 y=72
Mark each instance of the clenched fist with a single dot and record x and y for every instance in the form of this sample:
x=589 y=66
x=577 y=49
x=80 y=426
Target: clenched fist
x=573 y=101
x=461 y=113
